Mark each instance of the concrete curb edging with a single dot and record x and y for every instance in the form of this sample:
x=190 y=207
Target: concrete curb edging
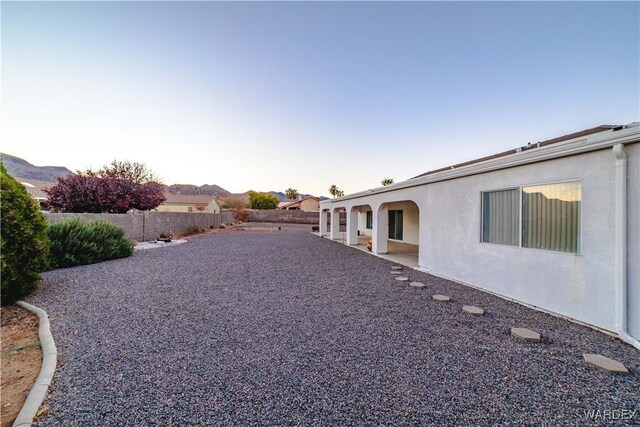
x=49 y=360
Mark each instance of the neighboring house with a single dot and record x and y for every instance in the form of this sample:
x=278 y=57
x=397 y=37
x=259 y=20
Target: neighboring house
x=189 y=203
x=36 y=188
x=554 y=224
x=308 y=204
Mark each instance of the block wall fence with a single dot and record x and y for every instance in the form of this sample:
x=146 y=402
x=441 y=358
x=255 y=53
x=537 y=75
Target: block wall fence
x=284 y=216
x=143 y=226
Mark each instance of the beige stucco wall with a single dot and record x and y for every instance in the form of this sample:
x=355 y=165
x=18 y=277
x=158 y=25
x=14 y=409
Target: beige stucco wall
x=309 y=205
x=173 y=208
x=212 y=208
x=580 y=286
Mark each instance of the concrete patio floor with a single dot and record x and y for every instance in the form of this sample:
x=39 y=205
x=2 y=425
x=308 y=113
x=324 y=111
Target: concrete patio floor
x=399 y=252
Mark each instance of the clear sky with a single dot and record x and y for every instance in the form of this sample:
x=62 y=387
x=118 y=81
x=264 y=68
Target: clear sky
x=267 y=96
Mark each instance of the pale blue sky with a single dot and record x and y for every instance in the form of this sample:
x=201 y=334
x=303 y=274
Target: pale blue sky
x=267 y=96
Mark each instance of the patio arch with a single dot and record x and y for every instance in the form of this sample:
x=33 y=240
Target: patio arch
x=396 y=229
x=359 y=222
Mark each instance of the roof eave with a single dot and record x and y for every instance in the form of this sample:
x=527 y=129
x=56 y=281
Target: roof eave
x=593 y=142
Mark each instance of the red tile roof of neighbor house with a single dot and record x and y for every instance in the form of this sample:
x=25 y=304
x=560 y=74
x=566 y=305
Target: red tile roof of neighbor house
x=585 y=132
x=298 y=201
x=188 y=199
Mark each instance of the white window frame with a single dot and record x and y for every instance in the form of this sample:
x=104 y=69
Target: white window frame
x=520 y=225
x=519 y=215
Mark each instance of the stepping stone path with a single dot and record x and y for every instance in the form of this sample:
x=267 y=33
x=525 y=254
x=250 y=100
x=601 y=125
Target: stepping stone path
x=605 y=364
x=396 y=272
x=442 y=298
x=402 y=279
x=417 y=285
x=525 y=334
x=396 y=267
x=471 y=309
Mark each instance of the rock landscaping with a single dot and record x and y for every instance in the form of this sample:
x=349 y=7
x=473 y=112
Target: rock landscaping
x=286 y=328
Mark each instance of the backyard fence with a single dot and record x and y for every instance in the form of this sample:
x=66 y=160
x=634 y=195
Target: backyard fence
x=284 y=216
x=143 y=226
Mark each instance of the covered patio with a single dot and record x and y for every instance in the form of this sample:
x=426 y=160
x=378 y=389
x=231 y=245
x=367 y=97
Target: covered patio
x=399 y=252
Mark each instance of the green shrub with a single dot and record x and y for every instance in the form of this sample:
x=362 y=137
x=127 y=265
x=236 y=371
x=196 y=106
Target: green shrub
x=262 y=200
x=24 y=240
x=74 y=242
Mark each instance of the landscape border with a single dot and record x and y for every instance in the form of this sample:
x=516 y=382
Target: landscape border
x=40 y=388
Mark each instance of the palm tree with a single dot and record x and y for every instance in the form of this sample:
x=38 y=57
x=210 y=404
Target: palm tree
x=387 y=181
x=291 y=193
x=334 y=191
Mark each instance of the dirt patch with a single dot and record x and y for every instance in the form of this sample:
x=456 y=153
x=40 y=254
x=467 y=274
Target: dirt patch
x=21 y=359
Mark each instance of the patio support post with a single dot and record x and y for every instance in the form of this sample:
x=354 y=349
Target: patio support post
x=422 y=249
x=323 y=222
x=380 y=231
x=335 y=224
x=352 y=227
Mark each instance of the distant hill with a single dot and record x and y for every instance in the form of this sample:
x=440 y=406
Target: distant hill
x=193 y=190
x=18 y=167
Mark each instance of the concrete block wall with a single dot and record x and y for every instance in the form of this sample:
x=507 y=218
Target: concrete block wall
x=149 y=225
x=284 y=216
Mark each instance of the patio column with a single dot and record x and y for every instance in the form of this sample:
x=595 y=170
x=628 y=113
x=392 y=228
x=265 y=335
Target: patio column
x=422 y=249
x=380 y=231
x=352 y=227
x=335 y=224
x=323 y=222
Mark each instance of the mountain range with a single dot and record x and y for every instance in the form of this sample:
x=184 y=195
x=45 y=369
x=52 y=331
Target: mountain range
x=20 y=168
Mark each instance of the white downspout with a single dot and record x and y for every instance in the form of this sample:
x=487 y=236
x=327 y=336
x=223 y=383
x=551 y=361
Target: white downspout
x=621 y=246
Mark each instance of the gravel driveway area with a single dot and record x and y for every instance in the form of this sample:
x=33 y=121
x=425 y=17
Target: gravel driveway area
x=287 y=328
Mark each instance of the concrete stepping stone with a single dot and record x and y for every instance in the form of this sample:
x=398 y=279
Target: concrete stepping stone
x=605 y=364
x=443 y=298
x=525 y=334
x=472 y=309
x=396 y=267
x=402 y=279
x=396 y=272
x=417 y=285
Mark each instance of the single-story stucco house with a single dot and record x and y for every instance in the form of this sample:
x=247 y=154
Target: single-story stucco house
x=189 y=203
x=308 y=204
x=554 y=225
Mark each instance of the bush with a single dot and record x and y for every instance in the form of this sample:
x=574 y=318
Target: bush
x=74 y=242
x=241 y=215
x=24 y=240
x=116 y=188
x=262 y=200
x=193 y=230
x=234 y=202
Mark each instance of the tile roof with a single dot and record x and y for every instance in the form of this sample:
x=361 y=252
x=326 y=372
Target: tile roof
x=36 y=187
x=585 y=132
x=298 y=201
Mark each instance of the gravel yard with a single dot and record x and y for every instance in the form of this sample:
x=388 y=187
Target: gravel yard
x=286 y=328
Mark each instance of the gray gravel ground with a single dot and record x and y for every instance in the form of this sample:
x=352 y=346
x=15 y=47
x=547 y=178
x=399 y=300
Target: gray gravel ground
x=286 y=328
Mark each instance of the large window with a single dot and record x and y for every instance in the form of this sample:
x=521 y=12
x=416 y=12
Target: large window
x=551 y=217
x=539 y=217
x=369 y=220
x=500 y=217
